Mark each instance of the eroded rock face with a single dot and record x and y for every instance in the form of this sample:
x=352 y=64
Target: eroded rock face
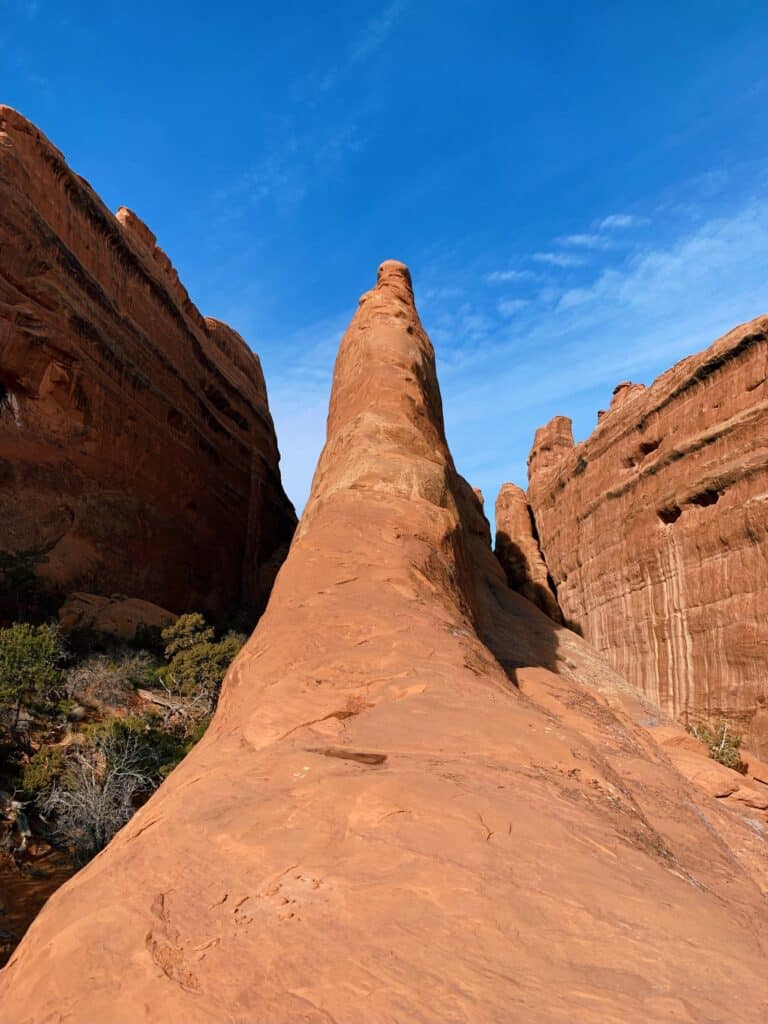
x=420 y=799
x=655 y=530
x=517 y=548
x=137 y=452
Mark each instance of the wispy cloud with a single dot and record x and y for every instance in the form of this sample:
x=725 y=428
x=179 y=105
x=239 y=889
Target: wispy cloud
x=438 y=293
x=586 y=241
x=372 y=37
x=474 y=323
x=508 y=364
x=376 y=32
x=295 y=162
x=508 y=307
x=504 y=276
x=653 y=276
x=620 y=220
x=287 y=173
x=566 y=349
x=559 y=259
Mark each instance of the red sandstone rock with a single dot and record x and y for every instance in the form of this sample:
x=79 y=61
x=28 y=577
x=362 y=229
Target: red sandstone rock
x=116 y=618
x=655 y=531
x=517 y=548
x=623 y=391
x=381 y=823
x=756 y=769
x=716 y=779
x=137 y=452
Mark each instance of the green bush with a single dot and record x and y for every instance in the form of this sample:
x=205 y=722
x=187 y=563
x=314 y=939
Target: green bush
x=723 y=745
x=89 y=789
x=197 y=663
x=178 y=745
x=187 y=631
x=44 y=769
x=197 y=672
x=30 y=667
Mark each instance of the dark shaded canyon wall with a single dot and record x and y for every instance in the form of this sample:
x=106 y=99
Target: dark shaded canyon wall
x=382 y=824
x=655 y=530
x=517 y=549
x=137 y=452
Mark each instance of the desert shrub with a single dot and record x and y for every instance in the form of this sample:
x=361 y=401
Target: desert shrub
x=110 y=679
x=198 y=671
x=44 y=769
x=157 y=748
x=197 y=663
x=197 y=732
x=138 y=667
x=30 y=667
x=105 y=781
x=172 y=746
x=94 y=788
x=85 y=792
x=723 y=745
x=187 y=631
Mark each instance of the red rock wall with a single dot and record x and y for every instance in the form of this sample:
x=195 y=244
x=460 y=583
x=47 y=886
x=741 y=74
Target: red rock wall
x=137 y=452
x=655 y=530
x=381 y=824
x=517 y=549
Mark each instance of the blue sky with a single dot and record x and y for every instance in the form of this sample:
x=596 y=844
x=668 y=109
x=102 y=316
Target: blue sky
x=579 y=189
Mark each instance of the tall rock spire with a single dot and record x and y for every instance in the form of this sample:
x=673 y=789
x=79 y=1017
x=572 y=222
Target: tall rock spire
x=383 y=824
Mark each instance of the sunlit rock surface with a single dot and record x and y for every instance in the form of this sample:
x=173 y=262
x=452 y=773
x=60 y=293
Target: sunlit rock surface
x=655 y=530
x=137 y=452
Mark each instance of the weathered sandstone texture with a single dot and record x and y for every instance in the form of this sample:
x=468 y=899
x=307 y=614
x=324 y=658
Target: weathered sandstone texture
x=420 y=799
x=137 y=452
x=517 y=548
x=126 y=619
x=655 y=531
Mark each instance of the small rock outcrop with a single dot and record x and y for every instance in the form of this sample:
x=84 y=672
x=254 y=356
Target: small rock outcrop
x=123 y=619
x=517 y=548
x=137 y=452
x=419 y=800
x=655 y=531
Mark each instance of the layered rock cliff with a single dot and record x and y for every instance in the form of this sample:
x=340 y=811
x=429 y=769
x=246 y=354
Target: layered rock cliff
x=420 y=799
x=137 y=452
x=655 y=531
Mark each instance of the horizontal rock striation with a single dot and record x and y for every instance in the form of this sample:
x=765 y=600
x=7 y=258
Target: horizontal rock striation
x=137 y=452
x=419 y=800
x=655 y=530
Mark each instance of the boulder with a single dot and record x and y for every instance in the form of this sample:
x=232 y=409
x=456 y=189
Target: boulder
x=125 y=619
